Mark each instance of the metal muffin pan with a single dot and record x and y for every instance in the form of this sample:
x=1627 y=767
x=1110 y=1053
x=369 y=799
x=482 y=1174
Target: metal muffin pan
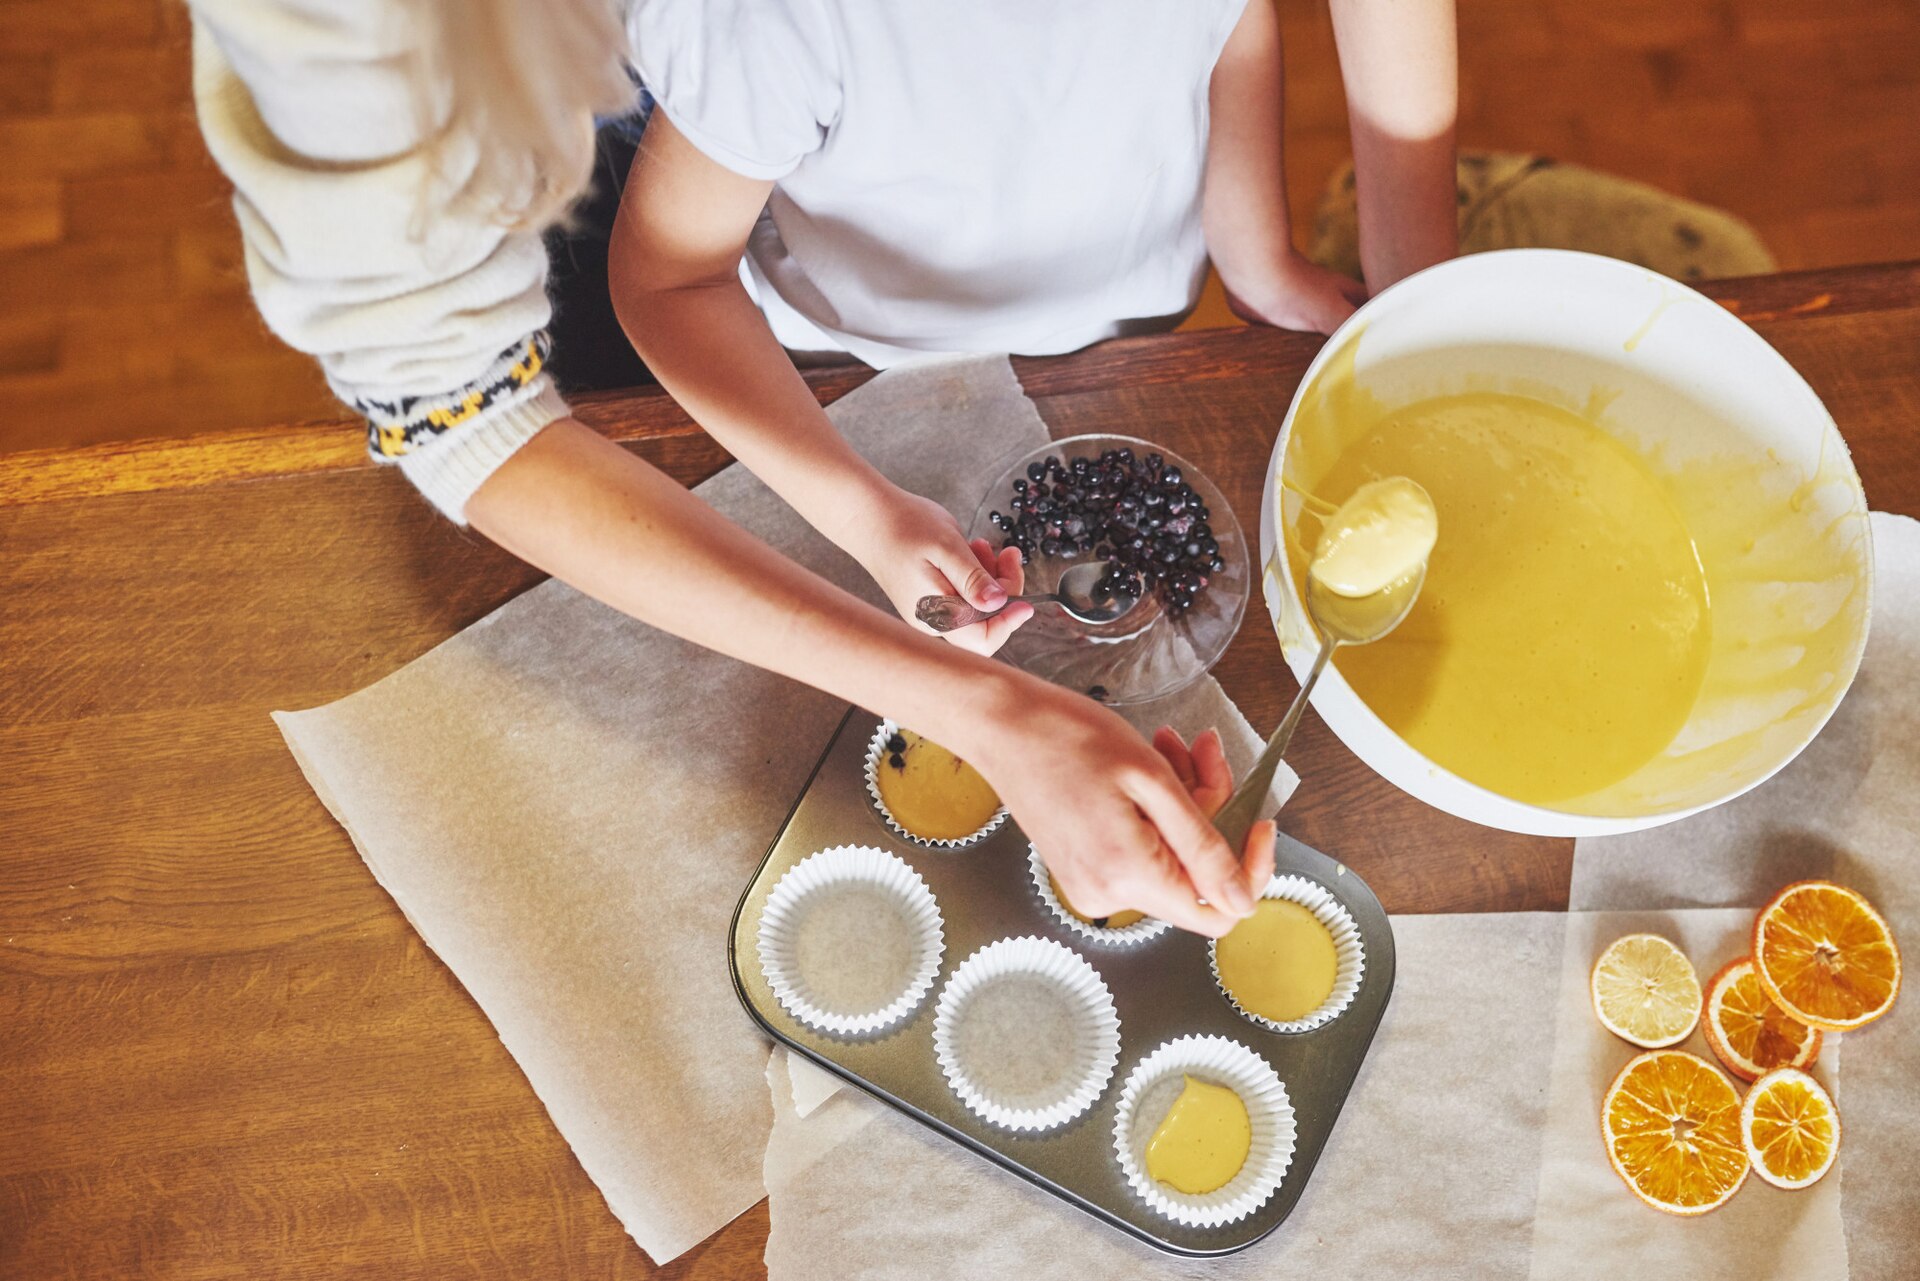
x=1162 y=988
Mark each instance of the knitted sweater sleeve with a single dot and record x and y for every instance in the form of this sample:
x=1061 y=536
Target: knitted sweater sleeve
x=426 y=315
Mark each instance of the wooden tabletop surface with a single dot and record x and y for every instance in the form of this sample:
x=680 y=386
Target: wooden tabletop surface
x=223 y=1052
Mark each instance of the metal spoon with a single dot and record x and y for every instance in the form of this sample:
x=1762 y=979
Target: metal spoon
x=1079 y=594
x=1342 y=620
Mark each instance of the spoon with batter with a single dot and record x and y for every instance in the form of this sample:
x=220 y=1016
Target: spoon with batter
x=1366 y=573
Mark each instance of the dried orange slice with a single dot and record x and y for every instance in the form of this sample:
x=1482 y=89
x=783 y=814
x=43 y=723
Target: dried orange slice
x=1645 y=991
x=1672 y=1129
x=1748 y=1032
x=1825 y=957
x=1790 y=1128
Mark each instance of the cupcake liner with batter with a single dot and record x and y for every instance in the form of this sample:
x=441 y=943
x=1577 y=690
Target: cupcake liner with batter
x=1148 y=1095
x=1349 y=954
x=876 y=753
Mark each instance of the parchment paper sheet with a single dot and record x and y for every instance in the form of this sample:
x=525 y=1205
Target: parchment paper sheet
x=567 y=804
x=1848 y=809
x=1470 y=1147
x=1585 y=1213
x=1430 y=1173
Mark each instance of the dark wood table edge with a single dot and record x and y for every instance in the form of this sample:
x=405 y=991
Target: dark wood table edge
x=648 y=414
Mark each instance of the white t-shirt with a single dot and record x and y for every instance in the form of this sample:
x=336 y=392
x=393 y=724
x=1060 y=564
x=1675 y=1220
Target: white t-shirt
x=953 y=175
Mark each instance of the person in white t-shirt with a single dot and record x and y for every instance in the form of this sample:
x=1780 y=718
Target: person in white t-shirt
x=894 y=178
x=887 y=179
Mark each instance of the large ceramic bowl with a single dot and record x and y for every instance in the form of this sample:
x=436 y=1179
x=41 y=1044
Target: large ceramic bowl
x=1747 y=452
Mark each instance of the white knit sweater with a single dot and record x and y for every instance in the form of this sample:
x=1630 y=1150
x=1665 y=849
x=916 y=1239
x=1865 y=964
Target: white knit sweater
x=426 y=316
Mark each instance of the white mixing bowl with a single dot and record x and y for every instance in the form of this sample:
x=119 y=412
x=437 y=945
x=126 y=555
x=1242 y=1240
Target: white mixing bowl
x=1748 y=453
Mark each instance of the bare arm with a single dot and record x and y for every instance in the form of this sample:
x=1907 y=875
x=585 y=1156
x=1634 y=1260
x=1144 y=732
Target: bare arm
x=1244 y=202
x=581 y=507
x=1400 y=65
x=675 y=278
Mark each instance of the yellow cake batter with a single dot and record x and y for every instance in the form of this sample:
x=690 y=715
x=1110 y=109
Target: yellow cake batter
x=932 y=793
x=1124 y=917
x=1563 y=632
x=1381 y=535
x=1203 y=1141
x=1278 y=963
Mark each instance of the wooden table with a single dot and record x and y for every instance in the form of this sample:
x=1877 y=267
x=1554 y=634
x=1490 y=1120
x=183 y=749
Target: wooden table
x=223 y=1053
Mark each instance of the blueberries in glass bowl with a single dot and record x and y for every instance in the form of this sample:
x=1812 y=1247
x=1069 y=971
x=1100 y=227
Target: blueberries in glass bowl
x=1134 y=510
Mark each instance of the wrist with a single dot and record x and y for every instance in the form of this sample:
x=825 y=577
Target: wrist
x=967 y=703
x=1265 y=282
x=853 y=508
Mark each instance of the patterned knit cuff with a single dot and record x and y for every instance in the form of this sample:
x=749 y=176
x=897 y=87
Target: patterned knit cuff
x=448 y=468
x=396 y=428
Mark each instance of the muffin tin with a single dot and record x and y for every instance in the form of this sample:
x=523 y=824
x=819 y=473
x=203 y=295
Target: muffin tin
x=1162 y=988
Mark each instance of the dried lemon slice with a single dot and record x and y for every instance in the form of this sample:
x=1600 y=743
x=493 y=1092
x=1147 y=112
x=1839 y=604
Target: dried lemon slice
x=1748 y=1032
x=1645 y=991
x=1790 y=1128
x=1672 y=1129
x=1825 y=957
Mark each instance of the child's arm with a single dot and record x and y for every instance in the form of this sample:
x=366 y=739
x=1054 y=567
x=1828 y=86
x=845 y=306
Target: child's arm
x=1399 y=63
x=1244 y=202
x=674 y=268
x=1115 y=823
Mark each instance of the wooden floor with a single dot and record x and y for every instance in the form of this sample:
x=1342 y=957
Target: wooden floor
x=123 y=306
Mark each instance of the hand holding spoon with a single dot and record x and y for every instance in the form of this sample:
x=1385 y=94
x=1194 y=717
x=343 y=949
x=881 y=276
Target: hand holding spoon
x=1079 y=594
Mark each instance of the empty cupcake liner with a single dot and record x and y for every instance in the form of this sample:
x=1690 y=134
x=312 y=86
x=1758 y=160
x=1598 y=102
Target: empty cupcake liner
x=1349 y=955
x=1107 y=936
x=877 y=752
x=1026 y=1033
x=1149 y=1093
x=865 y=971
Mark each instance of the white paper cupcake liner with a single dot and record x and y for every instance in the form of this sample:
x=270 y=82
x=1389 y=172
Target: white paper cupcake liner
x=1107 y=936
x=857 y=976
x=877 y=752
x=1149 y=1093
x=1349 y=955
x=1026 y=1034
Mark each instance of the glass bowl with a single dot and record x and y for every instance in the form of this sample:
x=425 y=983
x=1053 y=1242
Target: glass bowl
x=1151 y=652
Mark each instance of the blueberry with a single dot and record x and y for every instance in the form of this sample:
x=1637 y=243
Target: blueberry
x=897 y=761
x=896 y=744
x=1036 y=473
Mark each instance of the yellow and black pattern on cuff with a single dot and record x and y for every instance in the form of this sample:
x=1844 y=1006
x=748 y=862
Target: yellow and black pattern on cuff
x=400 y=427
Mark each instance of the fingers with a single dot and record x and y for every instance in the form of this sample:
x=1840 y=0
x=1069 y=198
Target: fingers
x=971 y=579
x=1148 y=879
x=1257 y=857
x=1160 y=887
x=1212 y=786
x=1332 y=311
x=1202 y=770
x=1011 y=569
x=1201 y=851
x=1167 y=742
x=995 y=631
